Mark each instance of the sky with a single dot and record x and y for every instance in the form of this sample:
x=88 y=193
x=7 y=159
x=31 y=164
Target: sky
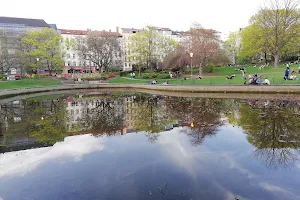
x=223 y=16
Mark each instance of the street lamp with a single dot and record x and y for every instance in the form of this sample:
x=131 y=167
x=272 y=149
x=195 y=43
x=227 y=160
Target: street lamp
x=191 y=55
x=38 y=71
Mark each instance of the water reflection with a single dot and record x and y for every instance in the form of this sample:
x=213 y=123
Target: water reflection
x=271 y=126
x=141 y=146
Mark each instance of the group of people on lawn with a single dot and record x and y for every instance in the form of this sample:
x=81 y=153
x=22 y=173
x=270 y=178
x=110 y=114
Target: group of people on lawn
x=288 y=76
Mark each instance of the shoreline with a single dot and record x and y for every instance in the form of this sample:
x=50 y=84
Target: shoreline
x=218 y=90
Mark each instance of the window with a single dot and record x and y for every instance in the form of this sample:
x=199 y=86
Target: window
x=69 y=63
x=74 y=55
x=74 y=63
x=84 y=63
x=68 y=55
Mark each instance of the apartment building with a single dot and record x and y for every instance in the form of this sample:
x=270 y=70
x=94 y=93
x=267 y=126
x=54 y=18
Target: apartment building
x=75 y=62
x=178 y=36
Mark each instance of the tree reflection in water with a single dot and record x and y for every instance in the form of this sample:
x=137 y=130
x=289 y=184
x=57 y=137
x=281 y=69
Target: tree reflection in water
x=273 y=128
x=201 y=117
x=149 y=114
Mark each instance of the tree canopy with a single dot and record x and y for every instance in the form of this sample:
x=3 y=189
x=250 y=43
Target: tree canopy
x=41 y=49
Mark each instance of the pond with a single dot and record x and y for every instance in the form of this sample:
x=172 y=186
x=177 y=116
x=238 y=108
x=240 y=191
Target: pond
x=118 y=145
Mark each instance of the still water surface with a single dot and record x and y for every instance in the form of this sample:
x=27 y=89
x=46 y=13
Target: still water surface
x=140 y=146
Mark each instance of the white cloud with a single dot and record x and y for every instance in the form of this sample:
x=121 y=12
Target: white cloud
x=22 y=162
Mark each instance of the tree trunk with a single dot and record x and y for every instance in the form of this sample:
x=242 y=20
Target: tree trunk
x=139 y=70
x=266 y=62
x=276 y=60
x=200 y=69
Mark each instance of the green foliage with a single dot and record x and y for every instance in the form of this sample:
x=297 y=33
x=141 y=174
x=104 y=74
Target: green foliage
x=163 y=76
x=148 y=45
x=41 y=49
x=145 y=76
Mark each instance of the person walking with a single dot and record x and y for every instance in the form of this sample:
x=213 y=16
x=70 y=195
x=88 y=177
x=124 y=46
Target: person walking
x=286 y=74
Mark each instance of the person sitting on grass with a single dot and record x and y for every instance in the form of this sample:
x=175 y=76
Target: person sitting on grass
x=154 y=82
x=230 y=77
x=166 y=83
x=266 y=81
x=293 y=75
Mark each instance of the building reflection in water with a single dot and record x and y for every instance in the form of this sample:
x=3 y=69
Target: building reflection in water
x=271 y=126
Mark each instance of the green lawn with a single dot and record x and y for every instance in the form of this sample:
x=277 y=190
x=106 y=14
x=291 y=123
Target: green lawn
x=218 y=77
x=28 y=83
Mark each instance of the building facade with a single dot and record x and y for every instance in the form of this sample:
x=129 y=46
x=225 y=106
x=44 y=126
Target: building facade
x=177 y=36
x=75 y=62
x=13 y=28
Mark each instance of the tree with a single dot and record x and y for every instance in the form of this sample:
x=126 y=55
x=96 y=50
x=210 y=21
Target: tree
x=201 y=117
x=148 y=47
x=45 y=45
x=178 y=58
x=278 y=27
x=232 y=46
x=273 y=128
x=103 y=49
x=6 y=59
x=205 y=45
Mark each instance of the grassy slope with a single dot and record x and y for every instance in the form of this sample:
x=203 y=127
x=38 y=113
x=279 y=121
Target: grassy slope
x=219 y=77
x=28 y=83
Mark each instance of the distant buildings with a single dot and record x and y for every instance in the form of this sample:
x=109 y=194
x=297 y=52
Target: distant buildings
x=178 y=36
x=12 y=28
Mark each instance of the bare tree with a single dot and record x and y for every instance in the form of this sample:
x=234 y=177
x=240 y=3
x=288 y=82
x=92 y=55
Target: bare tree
x=178 y=58
x=103 y=49
x=205 y=45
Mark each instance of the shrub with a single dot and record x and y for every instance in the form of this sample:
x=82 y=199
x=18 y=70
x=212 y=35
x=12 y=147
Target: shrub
x=145 y=76
x=111 y=75
x=125 y=73
x=163 y=76
x=153 y=75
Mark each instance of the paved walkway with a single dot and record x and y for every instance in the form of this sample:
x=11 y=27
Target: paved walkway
x=273 y=89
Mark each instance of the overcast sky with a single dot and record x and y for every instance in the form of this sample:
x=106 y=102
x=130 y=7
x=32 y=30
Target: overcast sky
x=221 y=15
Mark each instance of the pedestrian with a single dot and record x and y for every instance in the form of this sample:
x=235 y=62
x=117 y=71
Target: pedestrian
x=133 y=75
x=286 y=74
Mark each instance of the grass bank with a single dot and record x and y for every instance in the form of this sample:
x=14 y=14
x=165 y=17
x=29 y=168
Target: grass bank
x=28 y=83
x=218 y=77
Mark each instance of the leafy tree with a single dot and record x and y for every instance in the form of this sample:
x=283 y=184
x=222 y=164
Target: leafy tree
x=275 y=28
x=42 y=49
x=103 y=49
x=148 y=47
x=232 y=45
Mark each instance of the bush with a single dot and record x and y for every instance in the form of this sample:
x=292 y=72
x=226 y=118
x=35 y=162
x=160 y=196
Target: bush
x=163 y=76
x=145 y=76
x=125 y=73
x=110 y=75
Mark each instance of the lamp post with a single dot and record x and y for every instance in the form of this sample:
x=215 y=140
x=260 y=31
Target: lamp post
x=38 y=70
x=191 y=55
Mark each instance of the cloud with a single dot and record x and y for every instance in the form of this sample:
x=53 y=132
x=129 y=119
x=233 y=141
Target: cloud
x=279 y=190
x=22 y=162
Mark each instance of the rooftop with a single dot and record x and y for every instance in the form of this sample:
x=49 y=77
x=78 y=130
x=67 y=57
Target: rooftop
x=85 y=32
x=24 y=21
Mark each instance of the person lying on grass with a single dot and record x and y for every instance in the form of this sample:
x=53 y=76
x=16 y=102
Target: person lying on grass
x=230 y=77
